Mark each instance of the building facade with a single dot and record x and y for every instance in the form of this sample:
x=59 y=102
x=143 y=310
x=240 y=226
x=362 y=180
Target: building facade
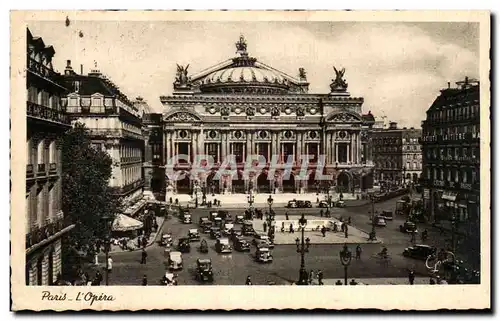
x=451 y=156
x=115 y=126
x=46 y=123
x=397 y=154
x=154 y=171
x=243 y=107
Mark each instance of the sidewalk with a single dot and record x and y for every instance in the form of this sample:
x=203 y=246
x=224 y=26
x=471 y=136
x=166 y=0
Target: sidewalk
x=377 y=281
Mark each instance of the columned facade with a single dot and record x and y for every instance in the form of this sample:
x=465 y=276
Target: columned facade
x=241 y=108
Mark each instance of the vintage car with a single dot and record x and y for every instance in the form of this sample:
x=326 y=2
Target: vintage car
x=166 y=240
x=183 y=246
x=264 y=243
x=175 y=260
x=419 y=251
x=193 y=235
x=169 y=279
x=259 y=237
x=204 y=271
x=217 y=222
x=339 y=204
x=205 y=224
x=239 y=219
x=323 y=204
x=387 y=215
x=408 y=227
x=379 y=221
x=222 y=245
x=263 y=255
x=241 y=245
x=247 y=228
x=235 y=234
x=186 y=219
x=292 y=204
x=401 y=207
x=215 y=233
x=304 y=204
x=224 y=215
x=228 y=227
x=213 y=215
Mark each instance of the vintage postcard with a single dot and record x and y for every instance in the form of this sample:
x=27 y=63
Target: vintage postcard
x=250 y=160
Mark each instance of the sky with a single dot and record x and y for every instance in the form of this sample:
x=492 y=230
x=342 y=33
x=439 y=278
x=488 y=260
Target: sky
x=398 y=68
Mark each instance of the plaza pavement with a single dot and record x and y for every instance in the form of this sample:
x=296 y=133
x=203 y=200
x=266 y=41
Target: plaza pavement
x=355 y=236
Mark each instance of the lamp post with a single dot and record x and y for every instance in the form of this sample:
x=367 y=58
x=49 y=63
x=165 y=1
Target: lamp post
x=107 y=220
x=302 y=248
x=270 y=219
x=373 y=234
x=345 y=259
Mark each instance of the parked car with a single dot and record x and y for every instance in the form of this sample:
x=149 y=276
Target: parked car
x=239 y=219
x=304 y=204
x=387 y=215
x=247 y=228
x=379 y=221
x=222 y=245
x=408 y=227
x=166 y=240
x=183 y=246
x=186 y=219
x=228 y=227
x=292 y=204
x=215 y=233
x=175 y=260
x=193 y=235
x=323 y=204
x=419 y=251
x=241 y=245
x=204 y=270
x=340 y=204
x=263 y=255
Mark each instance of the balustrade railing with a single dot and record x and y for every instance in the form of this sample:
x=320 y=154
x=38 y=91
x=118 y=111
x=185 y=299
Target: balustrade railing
x=41 y=69
x=39 y=111
x=37 y=234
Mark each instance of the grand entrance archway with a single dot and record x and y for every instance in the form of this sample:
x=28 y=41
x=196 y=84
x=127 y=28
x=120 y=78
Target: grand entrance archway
x=184 y=185
x=213 y=184
x=238 y=183
x=289 y=184
x=343 y=182
x=263 y=184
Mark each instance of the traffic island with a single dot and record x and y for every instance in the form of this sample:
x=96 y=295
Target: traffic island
x=313 y=231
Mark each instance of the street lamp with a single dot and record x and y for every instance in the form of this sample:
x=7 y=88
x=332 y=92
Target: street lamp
x=108 y=221
x=373 y=234
x=302 y=248
x=345 y=259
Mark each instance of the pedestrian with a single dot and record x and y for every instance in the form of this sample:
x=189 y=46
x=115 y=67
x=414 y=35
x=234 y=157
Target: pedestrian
x=170 y=200
x=97 y=278
x=320 y=277
x=317 y=200
x=323 y=231
x=110 y=265
x=411 y=277
x=144 y=280
x=349 y=220
x=345 y=231
x=412 y=240
x=311 y=277
x=335 y=228
x=145 y=241
x=248 y=281
x=432 y=282
x=265 y=227
x=358 y=252
x=321 y=213
x=282 y=227
x=286 y=216
x=353 y=282
x=176 y=201
x=144 y=256
x=338 y=282
x=291 y=228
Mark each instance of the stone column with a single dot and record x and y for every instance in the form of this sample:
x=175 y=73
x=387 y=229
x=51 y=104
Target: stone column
x=248 y=144
x=298 y=147
x=168 y=146
x=201 y=142
x=224 y=144
x=278 y=145
x=324 y=143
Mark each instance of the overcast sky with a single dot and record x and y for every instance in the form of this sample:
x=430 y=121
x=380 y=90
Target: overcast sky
x=397 y=67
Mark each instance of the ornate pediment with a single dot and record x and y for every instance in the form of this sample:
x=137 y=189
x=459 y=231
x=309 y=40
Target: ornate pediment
x=183 y=117
x=344 y=118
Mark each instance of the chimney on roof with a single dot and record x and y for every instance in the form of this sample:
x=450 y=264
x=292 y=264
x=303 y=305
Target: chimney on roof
x=69 y=69
x=393 y=125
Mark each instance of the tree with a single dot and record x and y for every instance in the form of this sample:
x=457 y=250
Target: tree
x=86 y=195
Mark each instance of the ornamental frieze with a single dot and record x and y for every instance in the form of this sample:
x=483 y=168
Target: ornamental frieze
x=343 y=117
x=183 y=117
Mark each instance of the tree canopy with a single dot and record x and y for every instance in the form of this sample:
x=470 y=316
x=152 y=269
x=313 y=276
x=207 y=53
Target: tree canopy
x=86 y=195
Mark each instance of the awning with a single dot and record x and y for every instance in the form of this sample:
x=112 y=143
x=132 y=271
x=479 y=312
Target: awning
x=124 y=223
x=449 y=196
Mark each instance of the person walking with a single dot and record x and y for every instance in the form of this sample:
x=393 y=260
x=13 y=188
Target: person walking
x=321 y=213
x=323 y=231
x=144 y=280
x=286 y=216
x=265 y=227
x=291 y=228
x=248 y=281
x=345 y=231
x=411 y=277
x=282 y=227
x=311 y=277
x=97 y=278
x=144 y=256
x=338 y=282
x=358 y=252
x=320 y=277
